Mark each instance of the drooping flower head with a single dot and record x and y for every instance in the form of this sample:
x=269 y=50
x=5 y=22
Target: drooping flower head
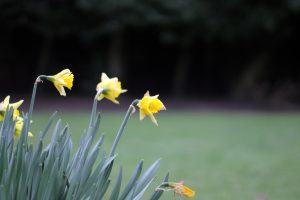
x=62 y=79
x=109 y=88
x=150 y=105
x=5 y=104
x=19 y=126
x=178 y=187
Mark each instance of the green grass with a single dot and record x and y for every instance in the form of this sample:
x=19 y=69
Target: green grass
x=221 y=155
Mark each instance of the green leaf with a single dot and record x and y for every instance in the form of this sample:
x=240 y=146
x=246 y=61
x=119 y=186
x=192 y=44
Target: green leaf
x=46 y=129
x=157 y=194
x=146 y=177
x=132 y=180
x=115 y=192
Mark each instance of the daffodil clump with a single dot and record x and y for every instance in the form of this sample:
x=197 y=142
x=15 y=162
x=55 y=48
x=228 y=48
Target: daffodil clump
x=52 y=172
x=19 y=121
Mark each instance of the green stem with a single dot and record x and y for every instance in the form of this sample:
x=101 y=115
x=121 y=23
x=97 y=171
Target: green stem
x=121 y=129
x=94 y=109
x=38 y=80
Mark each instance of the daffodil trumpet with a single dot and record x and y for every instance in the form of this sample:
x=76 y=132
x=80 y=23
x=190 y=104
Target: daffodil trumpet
x=109 y=88
x=61 y=80
x=150 y=105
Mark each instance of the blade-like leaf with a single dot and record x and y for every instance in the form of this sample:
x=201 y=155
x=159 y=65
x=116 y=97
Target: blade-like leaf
x=115 y=192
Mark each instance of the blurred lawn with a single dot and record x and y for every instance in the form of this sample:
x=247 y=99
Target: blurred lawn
x=221 y=155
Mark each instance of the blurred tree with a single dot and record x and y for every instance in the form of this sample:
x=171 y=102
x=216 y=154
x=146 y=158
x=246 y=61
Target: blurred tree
x=237 y=38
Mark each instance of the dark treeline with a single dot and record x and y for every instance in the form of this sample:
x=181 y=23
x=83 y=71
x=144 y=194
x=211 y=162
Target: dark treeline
x=218 y=49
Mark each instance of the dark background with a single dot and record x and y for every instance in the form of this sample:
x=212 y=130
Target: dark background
x=235 y=50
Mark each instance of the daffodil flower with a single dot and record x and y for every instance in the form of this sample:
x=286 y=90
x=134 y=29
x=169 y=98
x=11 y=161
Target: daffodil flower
x=181 y=189
x=178 y=187
x=5 y=104
x=62 y=79
x=149 y=105
x=109 y=88
x=18 y=128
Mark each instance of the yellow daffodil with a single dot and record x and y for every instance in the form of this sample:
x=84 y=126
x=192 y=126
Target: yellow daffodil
x=19 y=126
x=178 y=187
x=62 y=79
x=109 y=88
x=5 y=104
x=181 y=189
x=149 y=105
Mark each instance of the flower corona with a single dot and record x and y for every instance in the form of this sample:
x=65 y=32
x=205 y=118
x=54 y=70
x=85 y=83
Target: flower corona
x=62 y=79
x=109 y=88
x=150 y=105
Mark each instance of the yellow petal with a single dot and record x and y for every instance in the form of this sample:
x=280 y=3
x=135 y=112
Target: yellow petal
x=142 y=115
x=112 y=99
x=62 y=73
x=6 y=101
x=17 y=104
x=181 y=189
x=110 y=88
x=62 y=79
x=104 y=77
x=150 y=105
x=60 y=89
x=153 y=119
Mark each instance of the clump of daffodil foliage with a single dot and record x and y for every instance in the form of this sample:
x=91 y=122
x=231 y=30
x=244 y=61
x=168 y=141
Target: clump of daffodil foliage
x=50 y=172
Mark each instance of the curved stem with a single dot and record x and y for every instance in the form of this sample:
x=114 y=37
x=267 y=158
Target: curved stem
x=121 y=129
x=94 y=108
x=38 y=80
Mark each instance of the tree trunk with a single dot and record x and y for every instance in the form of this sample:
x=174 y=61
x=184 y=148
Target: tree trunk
x=181 y=71
x=249 y=86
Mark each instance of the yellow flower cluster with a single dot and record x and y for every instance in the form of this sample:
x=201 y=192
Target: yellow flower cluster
x=110 y=88
x=4 y=105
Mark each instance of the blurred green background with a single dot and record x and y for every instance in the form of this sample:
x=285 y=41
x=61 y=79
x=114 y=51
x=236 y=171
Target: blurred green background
x=221 y=155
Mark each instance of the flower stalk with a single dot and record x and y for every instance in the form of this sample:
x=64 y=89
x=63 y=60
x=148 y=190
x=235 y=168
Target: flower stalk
x=39 y=79
x=130 y=110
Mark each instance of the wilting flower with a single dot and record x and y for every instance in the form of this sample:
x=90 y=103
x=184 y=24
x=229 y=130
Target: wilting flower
x=149 y=105
x=19 y=126
x=178 y=188
x=5 y=104
x=181 y=189
x=62 y=79
x=109 y=88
